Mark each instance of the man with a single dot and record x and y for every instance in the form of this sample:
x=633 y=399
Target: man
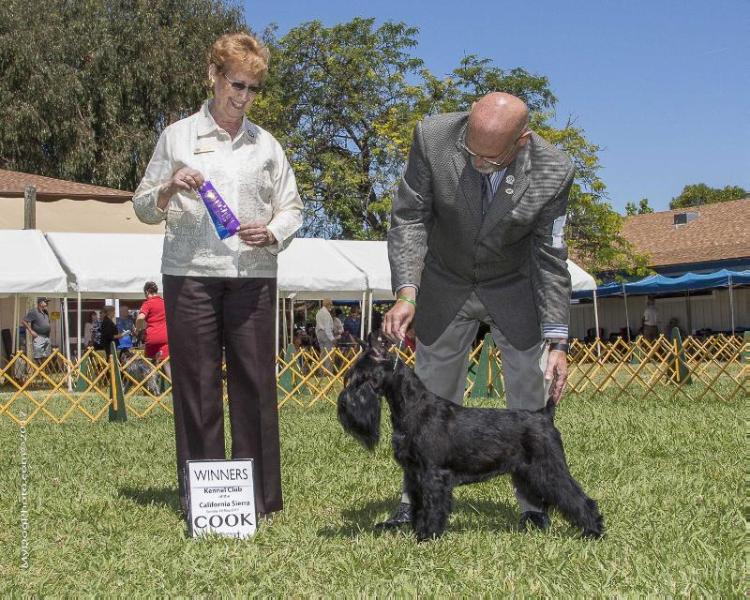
x=37 y=325
x=476 y=236
x=650 y=320
x=324 y=330
x=353 y=322
x=108 y=330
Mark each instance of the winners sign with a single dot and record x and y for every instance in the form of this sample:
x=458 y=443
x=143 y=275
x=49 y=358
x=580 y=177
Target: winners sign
x=221 y=497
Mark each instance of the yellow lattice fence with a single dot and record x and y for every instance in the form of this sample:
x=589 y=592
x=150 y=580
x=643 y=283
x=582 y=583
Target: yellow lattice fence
x=59 y=390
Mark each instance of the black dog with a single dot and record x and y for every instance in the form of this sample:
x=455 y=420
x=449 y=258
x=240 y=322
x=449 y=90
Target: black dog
x=440 y=444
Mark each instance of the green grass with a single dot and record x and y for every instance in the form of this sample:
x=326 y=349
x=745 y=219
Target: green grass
x=668 y=475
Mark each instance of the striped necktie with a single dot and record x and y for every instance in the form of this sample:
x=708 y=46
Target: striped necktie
x=490 y=184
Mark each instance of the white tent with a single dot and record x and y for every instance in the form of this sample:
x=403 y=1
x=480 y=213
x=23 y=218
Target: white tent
x=311 y=268
x=579 y=278
x=29 y=265
x=371 y=258
x=582 y=281
x=107 y=265
x=29 y=268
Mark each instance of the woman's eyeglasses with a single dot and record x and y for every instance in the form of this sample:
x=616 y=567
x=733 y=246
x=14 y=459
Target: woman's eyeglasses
x=241 y=87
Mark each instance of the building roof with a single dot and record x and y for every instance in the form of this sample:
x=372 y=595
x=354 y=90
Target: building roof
x=720 y=232
x=13 y=183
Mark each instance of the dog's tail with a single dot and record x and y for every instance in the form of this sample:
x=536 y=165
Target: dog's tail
x=549 y=409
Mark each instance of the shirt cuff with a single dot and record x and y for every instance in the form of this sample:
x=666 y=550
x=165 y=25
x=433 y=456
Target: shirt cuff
x=401 y=287
x=146 y=207
x=554 y=331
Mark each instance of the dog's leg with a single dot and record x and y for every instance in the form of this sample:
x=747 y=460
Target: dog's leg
x=431 y=493
x=550 y=483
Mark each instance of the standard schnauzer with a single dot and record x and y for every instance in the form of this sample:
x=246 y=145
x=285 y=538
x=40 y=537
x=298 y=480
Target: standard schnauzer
x=440 y=445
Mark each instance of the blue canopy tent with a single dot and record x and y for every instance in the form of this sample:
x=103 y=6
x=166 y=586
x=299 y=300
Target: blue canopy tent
x=660 y=284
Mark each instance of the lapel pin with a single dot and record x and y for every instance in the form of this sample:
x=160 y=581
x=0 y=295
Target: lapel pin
x=508 y=190
x=510 y=179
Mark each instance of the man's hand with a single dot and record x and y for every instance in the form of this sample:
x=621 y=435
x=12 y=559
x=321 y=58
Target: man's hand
x=397 y=320
x=557 y=372
x=255 y=233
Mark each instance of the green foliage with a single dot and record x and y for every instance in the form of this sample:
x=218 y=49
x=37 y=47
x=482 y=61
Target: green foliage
x=668 y=473
x=699 y=193
x=87 y=85
x=333 y=97
x=642 y=208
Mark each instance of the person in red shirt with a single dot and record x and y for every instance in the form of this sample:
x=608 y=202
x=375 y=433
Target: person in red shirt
x=152 y=317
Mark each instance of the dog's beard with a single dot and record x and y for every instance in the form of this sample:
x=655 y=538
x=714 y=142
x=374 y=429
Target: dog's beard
x=359 y=414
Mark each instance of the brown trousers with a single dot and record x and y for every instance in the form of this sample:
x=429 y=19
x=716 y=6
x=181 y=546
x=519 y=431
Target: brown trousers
x=205 y=314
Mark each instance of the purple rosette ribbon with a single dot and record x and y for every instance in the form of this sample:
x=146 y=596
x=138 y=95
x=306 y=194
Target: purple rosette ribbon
x=222 y=216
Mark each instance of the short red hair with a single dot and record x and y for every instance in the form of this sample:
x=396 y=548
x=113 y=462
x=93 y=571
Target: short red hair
x=242 y=50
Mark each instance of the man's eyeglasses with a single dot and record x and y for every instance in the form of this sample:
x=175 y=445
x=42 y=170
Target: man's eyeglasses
x=241 y=87
x=499 y=164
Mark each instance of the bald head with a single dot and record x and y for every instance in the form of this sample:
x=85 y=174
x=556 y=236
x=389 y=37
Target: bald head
x=496 y=129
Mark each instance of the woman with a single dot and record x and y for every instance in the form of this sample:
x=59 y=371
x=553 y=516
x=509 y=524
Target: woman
x=152 y=317
x=223 y=292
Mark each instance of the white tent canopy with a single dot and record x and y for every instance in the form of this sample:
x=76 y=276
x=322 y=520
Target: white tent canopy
x=29 y=265
x=372 y=259
x=579 y=278
x=109 y=264
x=118 y=264
x=311 y=268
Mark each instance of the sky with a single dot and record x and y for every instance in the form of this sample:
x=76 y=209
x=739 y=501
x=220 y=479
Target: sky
x=662 y=87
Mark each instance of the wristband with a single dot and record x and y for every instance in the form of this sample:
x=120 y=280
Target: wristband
x=561 y=346
x=405 y=299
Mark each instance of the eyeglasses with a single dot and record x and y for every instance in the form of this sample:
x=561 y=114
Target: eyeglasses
x=241 y=87
x=500 y=165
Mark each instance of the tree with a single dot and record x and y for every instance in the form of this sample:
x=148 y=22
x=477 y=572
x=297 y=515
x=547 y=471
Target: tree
x=86 y=86
x=642 y=208
x=699 y=193
x=332 y=94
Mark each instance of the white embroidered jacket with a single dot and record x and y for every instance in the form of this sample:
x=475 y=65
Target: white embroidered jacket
x=250 y=172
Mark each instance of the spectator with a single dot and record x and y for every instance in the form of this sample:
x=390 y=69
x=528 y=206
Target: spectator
x=125 y=332
x=338 y=325
x=352 y=323
x=108 y=330
x=152 y=318
x=324 y=331
x=38 y=326
x=92 y=335
x=650 y=320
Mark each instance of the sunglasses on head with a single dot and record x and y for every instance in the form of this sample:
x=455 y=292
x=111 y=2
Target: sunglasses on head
x=241 y=87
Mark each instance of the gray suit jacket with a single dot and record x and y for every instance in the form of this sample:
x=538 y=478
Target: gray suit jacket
x=513 y=257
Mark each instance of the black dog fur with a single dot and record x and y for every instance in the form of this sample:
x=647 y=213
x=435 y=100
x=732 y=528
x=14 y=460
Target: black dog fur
x=440 y=445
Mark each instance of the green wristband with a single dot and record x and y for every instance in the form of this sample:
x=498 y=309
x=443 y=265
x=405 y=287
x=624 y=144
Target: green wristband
x=409 y=300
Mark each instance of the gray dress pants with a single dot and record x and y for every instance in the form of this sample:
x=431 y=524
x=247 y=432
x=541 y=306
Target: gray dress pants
x=442 y=366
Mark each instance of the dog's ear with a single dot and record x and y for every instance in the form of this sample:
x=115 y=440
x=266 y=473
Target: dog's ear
x=378 y=344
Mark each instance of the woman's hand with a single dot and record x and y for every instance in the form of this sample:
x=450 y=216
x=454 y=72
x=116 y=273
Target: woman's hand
x=183 y=180
x=255 y=233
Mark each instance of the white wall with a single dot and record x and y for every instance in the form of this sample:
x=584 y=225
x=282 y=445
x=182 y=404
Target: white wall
x=710 y=311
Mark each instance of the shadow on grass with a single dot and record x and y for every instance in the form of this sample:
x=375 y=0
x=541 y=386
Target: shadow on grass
x=161 y=496
x=466 y=516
